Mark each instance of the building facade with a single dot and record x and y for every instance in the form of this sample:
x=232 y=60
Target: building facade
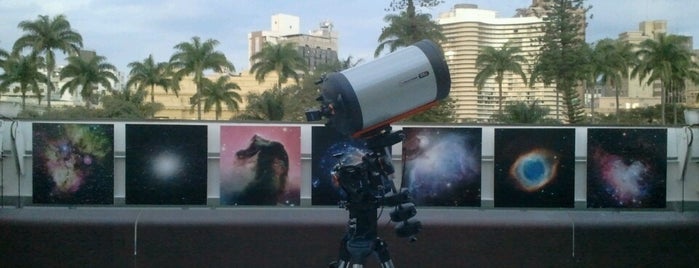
x=469 y=29
x=317 y=47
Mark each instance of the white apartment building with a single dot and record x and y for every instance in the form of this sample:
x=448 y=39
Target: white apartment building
x=468 y=29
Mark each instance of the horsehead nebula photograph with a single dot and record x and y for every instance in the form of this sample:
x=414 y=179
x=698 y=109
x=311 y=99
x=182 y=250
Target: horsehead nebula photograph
x=73 y=163
x=166 y=164
x=442 y=166
x=534 y=167
x=260 y=165
x=626 y=168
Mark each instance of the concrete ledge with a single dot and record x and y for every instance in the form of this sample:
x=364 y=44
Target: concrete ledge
x=309 y=237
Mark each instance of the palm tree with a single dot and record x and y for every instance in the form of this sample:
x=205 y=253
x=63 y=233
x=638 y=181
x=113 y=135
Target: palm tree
x=86 y=74
x=218 y=92
x=150 y=74
x=666 y=60
x=44 y=35
x=282 y=59
x=611 y=61
x=3 y=57
x=407 y=28
x=196 y=57
x=24 y=71
x=495 y=62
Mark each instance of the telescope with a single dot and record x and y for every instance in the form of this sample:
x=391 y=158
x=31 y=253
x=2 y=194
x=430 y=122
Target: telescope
x=367 y=97
x=362 y=102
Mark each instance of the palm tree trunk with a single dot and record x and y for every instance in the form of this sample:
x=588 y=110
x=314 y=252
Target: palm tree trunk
x=198 y=103
x=592 y=103
x=500 y=98
x=49 y=86
x=617 y=104
x=152 y=93
x=662 y=104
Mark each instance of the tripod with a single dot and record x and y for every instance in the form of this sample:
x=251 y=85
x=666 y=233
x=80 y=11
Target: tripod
x=368 y=188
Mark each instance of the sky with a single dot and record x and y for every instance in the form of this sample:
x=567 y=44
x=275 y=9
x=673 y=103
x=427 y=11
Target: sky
x=125 y=31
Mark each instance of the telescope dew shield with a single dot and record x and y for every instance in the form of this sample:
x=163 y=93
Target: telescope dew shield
x=387 y=89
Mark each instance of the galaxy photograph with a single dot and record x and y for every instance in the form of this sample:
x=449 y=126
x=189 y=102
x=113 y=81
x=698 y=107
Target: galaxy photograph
x=442 y=166
x=534 y=168
x=260 y=165
x=328 y=148
x=166 y=164
x=72 y=163
x=626 y=168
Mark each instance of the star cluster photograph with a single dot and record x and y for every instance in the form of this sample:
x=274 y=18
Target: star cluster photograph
x=166 y=164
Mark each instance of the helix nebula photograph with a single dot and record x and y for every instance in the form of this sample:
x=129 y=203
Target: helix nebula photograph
x=73 y=163
x=260 y=165
x=534 y=167
x=626 y=168
x=442 y=166
x=166 y=164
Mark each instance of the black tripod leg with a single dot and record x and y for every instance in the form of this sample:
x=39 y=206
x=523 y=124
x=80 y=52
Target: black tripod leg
x=381 y=249
x=344 y=255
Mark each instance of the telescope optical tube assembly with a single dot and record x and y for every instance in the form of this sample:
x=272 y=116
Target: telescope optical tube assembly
x=386 y=90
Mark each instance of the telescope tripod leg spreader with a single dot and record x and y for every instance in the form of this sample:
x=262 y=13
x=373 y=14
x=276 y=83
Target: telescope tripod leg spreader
x=354 y=253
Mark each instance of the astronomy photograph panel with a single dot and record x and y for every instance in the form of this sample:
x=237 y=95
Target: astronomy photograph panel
x=72 y=163
x=442 y=166
x=327 y=142
x=534 y=167
x=626 y=168
x=260 y=165
x=166 y=164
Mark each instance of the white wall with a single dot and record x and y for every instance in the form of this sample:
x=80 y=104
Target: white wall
x=677 y=137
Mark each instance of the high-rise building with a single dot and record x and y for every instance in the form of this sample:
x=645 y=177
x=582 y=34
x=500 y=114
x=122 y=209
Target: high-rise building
x=634 y=93
x=468 y=29
x=317 y=47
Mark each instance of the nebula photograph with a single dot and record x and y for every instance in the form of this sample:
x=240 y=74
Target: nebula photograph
x=442 y=166
x=73 y=163
x=166 y=164
x=534 y=167
x=260 y=165
x=328 y=149
x=626 y=168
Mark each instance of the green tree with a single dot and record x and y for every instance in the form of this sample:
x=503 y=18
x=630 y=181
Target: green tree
x=283 y=59
x=127 y=104
x=525 y=113
x=666 y=60
x=493 y=62
x=561 y=58
x=4 y=55
x=23 y=71
x=611 y=62
x=216 y=93
x=443 y=112
x=268 y=106
x=45 y=35
x=151 y=74
x=87 y=74
x=193 y=58
x=408 y=27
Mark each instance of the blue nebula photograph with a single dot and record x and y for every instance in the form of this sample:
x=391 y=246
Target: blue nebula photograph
x=442 y=166
x=534 y=167
x=166 y=164
x=328 y=148
x=626 y=168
